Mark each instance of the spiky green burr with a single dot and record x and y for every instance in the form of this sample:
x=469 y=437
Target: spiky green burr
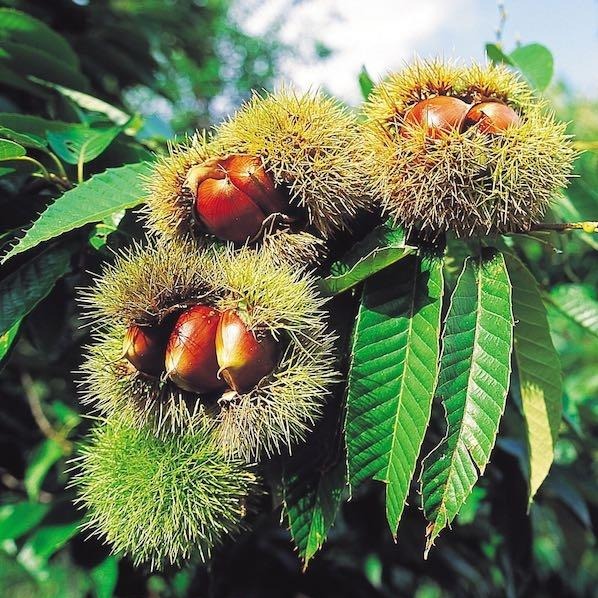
x=146 y=285
x=161 y=500
x=465 y=181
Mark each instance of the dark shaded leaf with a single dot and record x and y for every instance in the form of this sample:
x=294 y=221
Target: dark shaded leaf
x=22 y=290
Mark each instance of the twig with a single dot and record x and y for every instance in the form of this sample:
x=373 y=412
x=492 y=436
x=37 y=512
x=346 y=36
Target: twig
x=563 y=227
x=43 y=423
x=585 y=145
x=502 y=19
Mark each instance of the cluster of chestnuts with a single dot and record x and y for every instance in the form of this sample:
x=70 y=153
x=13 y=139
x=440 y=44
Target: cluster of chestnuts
x=234 y=196
x=439 y=149
x=441 y=114
x=203 y=350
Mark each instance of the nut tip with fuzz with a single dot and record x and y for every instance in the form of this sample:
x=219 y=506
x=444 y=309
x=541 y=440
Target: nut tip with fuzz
x=245 y=356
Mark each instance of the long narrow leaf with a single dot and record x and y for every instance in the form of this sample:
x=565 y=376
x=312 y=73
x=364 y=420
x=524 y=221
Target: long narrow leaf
x=539 y=372
x=473 y=383
x=111 y=191
x=312 y=497
x=392 y=376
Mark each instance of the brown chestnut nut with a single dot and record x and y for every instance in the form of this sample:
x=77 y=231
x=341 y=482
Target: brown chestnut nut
x=190 y=359
x=233 y=196
x=244 y=356
x=491 y=117
x=144 y=347
x=438 y=115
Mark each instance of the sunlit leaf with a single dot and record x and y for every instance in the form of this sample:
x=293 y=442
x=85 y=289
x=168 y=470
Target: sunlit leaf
x=80 y=144
x=473 y=383
x=393 y=375
x=9 y=150
x=89 y=102
x=111 y=191
x=536 y=63
x=539 y=379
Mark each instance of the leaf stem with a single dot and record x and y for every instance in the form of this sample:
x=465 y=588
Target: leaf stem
x=80 y=170
x=41 y=167
x=59 y=166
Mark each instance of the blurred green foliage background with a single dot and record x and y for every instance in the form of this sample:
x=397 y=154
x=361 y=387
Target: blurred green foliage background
x=179 y=65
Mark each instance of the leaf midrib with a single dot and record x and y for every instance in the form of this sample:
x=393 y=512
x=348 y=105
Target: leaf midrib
x=469 y=380
x=400 y=398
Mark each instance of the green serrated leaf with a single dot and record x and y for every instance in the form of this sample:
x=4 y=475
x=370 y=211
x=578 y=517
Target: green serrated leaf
x=535 y=63
x=7 y=341
x=42 y=459
x=393 y=375
x=19 y=518
x=22 y=290
x=473 y=382
x=79 y=144
x=539 y=378
x=365 y=83
x=577 y=304
x=111 y=191
x=312 y=497
x=384 y=246
x=23 y=28
x=9 y=150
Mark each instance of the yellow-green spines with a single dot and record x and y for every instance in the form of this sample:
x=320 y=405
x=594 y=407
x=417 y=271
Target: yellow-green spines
x=169 y=204
x=145 y=285
x=311 y=145
x=465 y=181
x=281 y=410
x=161 y=500
x=157 y=282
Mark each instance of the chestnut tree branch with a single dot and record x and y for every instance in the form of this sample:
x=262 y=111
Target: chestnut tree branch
x=563 y=227
x=43 y=423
